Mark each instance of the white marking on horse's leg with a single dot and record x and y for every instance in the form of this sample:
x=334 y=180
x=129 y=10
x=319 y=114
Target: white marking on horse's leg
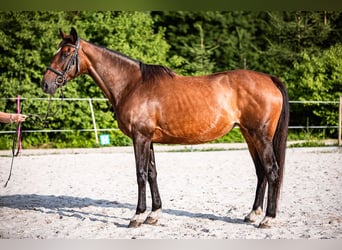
x=137 y=220
x=267 y=222
x=153 y=217
x=253 y=215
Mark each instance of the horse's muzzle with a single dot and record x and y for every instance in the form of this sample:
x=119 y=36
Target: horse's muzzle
x=48 y=88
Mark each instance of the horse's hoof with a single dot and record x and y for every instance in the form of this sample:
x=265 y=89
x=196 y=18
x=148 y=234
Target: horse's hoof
x=248 y=220
x=137 y=220
x=151 y=221
x=134 y=224
x=153 y=217
x=263 y=225
x=266 y=222
x=253 y=215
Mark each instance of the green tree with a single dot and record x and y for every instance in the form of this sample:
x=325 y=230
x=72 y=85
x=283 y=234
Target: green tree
x=29 y=41
x=220 y=40
x=319 y=78
x=25 y=43
x=202 y=64
x=283 y=35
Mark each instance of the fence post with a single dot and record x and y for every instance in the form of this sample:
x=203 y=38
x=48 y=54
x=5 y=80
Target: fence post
x=340 y=123
x=20 y=147
x=94 y=121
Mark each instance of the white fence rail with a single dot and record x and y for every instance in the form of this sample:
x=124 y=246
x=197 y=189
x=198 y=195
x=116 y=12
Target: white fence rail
x=96 y=130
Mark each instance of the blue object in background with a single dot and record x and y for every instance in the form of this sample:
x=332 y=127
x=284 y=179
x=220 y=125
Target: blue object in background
x=104 y=139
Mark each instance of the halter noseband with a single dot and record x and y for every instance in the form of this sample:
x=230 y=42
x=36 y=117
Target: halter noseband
x=61 y=75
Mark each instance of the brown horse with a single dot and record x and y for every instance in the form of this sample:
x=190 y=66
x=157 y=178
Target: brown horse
x=155 y=105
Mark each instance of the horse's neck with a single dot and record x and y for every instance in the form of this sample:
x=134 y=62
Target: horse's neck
x=113 y=73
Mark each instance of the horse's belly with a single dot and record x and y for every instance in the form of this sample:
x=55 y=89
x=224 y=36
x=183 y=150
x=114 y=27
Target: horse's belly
x=193 y=131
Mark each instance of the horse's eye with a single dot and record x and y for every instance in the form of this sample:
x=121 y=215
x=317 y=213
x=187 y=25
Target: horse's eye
x=65 y=54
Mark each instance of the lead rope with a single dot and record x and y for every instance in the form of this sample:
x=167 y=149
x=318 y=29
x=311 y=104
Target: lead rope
x=44 y=119
x=16 y=140
x=17 y=135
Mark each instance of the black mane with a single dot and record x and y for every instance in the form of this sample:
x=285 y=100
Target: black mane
x=151 y=72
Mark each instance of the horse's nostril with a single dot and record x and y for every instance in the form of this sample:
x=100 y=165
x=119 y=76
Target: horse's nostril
x=45 y=86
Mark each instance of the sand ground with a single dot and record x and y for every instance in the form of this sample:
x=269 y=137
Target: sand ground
x=92 y=193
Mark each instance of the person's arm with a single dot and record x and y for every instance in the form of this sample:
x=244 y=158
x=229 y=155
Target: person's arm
x=9 y=117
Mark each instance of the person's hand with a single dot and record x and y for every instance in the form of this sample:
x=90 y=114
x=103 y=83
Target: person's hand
x=18 y=118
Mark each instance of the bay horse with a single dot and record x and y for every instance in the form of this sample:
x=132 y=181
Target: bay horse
x=153 y=104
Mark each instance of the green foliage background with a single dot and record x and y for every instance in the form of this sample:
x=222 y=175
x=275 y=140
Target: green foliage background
x=302 y=48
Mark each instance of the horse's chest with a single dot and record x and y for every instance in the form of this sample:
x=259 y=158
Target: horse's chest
x=136 y=118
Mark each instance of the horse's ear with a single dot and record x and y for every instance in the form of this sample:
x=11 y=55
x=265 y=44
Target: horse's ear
x=73 y=34
x=62 y=34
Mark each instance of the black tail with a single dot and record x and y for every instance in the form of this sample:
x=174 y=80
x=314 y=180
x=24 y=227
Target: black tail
x=280 y=137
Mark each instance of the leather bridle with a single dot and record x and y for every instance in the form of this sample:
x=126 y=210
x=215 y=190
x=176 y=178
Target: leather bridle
x=61 y=75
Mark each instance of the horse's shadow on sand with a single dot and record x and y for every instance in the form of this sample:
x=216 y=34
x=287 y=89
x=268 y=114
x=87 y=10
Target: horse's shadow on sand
x=69 y=206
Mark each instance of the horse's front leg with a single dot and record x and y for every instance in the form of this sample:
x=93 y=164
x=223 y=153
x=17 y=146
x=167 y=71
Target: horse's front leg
x=142 y=159
x=153 y=217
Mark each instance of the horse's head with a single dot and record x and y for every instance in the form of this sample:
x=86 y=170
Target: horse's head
x=65 y=64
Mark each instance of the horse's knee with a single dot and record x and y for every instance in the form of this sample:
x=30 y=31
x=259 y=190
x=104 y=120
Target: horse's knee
x=152 y=176
x=273 y=173
x=141 y=176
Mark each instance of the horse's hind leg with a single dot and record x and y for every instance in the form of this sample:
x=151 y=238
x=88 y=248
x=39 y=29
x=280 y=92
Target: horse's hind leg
x=260 y=188
x=261 y=183
x=271 y=169
x=267 y=170
x=153 y=217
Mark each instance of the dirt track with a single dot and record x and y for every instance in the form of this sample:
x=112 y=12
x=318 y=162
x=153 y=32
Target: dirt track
x=93 y=194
